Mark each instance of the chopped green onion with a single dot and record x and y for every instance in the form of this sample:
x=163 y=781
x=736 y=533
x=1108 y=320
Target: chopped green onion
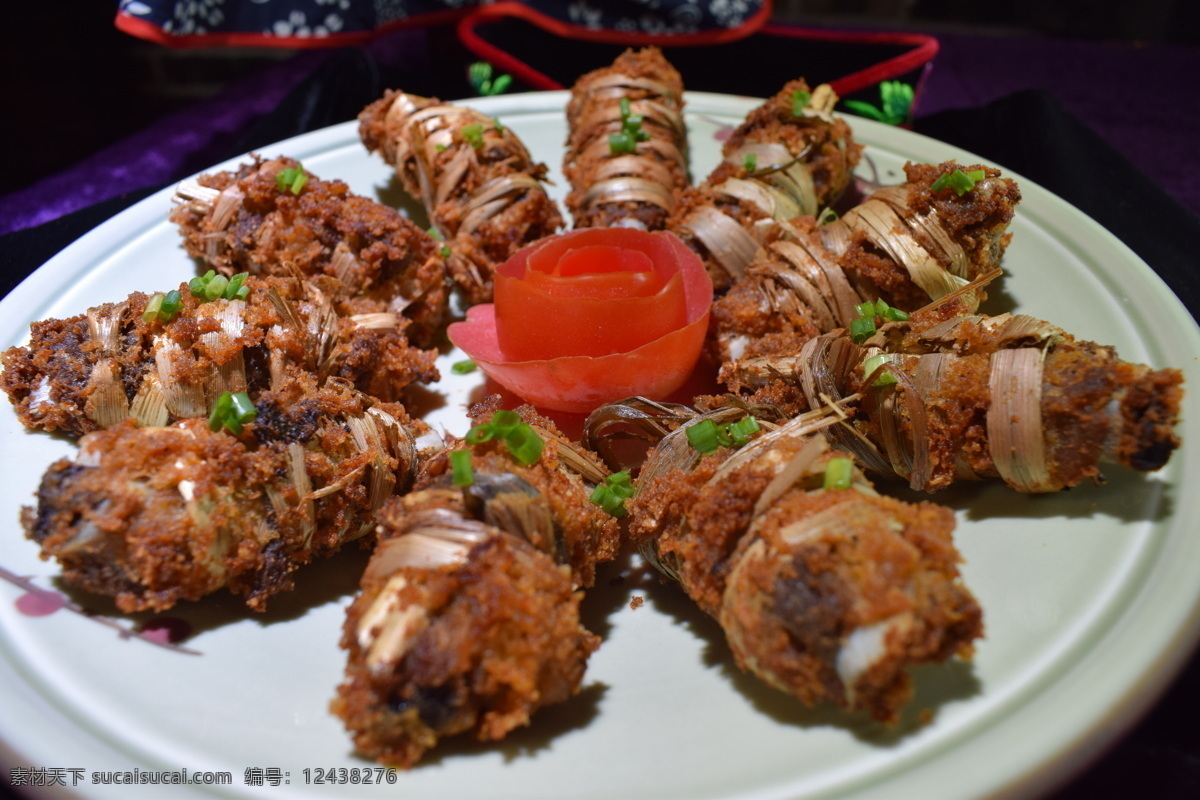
x=291 y=179
x=435 y=233
x=441 y=148
x=473 y=134
x=463 y=367
x=460 y=468
x=198 y=283
x=232 y=411
x=750 y=162
x=873 y=363
x=215 y=288
x=862 y=329
x=895 y=315
x=706 y=436
x=508 y=427
x=525 y=445
x=839 y=472
x=479 y=75
x=235 y=289
x=800 y=102
x=612 y=494
x=631 y=130
x=828 y=215
x=866 y=309
x=444 y=252
x=622 y=142
x=961 y=182
x=740 y=431
x=170 y=305
x=703 y=436
x=152 y=308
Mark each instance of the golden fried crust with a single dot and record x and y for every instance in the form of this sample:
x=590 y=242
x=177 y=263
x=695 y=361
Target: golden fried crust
x=325 y=229
x=73 y=378
x=153 y=516
x=492 y=639
x=832 y=152
x=790 y=607
x=593 y=116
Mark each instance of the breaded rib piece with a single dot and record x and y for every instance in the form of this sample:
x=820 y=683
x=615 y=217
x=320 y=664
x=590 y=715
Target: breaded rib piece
x=153 y=516
x=629 y=181
x=827 y=594
x=789 y=158
x=255 y=220
x=479 y=185
x=904 y=244
x=94 y=370
x=969 y=397
x=468 y=619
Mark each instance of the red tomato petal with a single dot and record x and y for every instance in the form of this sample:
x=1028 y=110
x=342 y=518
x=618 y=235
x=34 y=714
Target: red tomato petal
x=580 y=383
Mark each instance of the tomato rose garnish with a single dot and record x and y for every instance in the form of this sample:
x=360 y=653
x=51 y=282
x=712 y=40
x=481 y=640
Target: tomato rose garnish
x=591 y=316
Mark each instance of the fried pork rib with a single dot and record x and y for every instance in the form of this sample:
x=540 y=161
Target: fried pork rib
x=828 y=595
x=778 y=165
x=631 y=180
x=970 y=397
x=153 y=516
x=906 y=244
x=468 y=619
x=480 y=187
x=254 y=220
x=97 y=369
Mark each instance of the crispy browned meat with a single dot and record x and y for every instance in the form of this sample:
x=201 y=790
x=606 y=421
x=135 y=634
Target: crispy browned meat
x=634 y=185
x=152 y=516
x=828 y=595
x=777 y=165
x=94 y=370
x=905 y=244
x=1009 y=396
x=468 y=620
x=480 y=187
x=244 y=221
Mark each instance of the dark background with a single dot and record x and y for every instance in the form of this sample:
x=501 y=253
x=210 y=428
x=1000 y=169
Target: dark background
x=74 y=84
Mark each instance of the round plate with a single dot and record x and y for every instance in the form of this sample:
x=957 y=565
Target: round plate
x=1091 y=597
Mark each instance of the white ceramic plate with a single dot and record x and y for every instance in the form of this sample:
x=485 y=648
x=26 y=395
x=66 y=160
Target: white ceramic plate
x=1091 y=597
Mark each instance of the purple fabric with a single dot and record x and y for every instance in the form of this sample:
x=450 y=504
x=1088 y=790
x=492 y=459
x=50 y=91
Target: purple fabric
x=174 y=145
x=1144 y=101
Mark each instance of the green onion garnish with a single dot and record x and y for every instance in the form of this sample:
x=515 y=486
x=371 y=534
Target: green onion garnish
x=460 y=468
x=479 y=75
x=961 y=182
x=232 y=411
x=291 y=179
x=828 y=215
x=703 y=436
x=800 y=102
x=152 y=308
x=706 y=436
x=444 y=252
x=740 y=431
x=212 y=286
x=839 y=471
x=435 y=233
x=631 y=130
x=163 y=306
x=862 y=329
x=463 y=367
x=525 y=445
x=750 y=162
x=873 y=363
x=612 y=494
x=473 y=134
x=506 y=426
